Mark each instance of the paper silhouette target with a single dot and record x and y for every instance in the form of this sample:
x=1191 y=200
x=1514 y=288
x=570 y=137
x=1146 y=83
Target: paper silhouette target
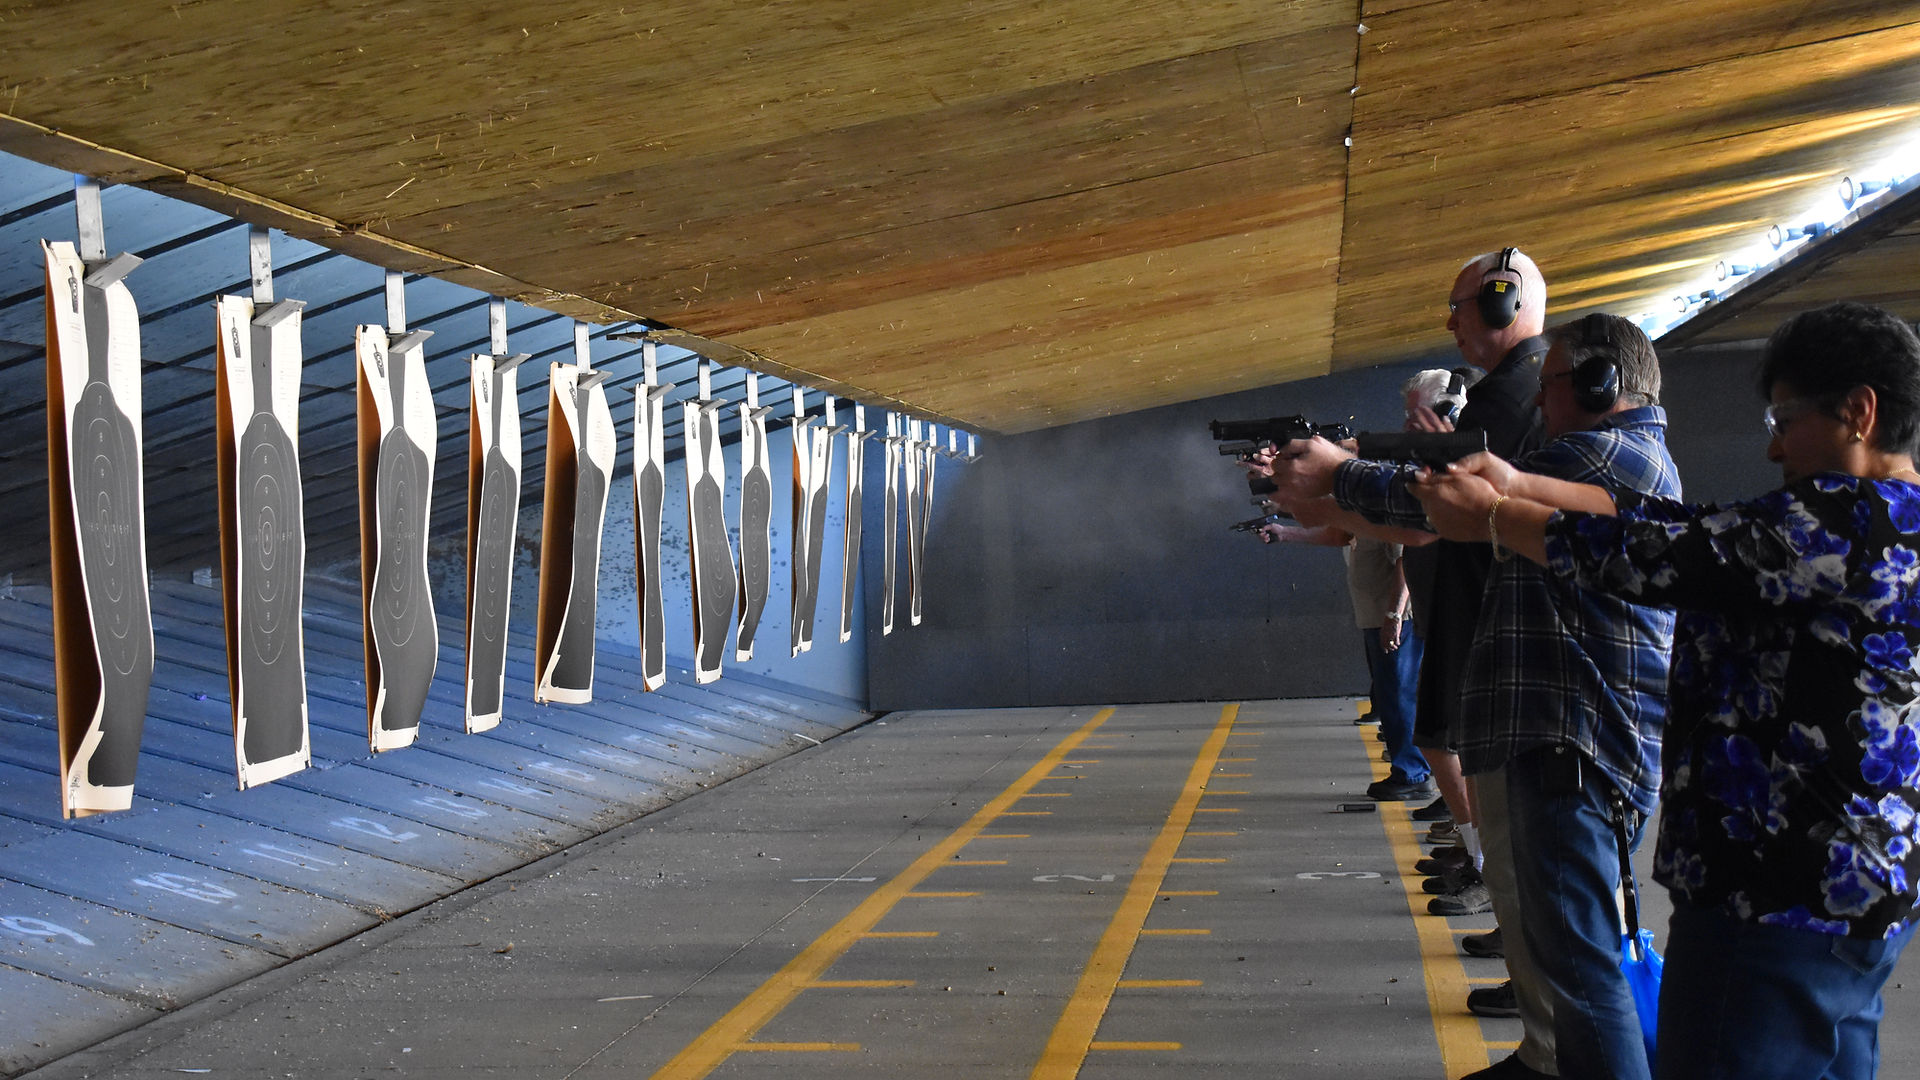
x=923 y=455
x=850 y=541
x=398 y=434
x=493 y=511
x=756 y=526
x=580 y=453
x=262 y=535
x=649 y=497
x=713 y=570
x=890 y=529
x=103 y=625
x=812 y=464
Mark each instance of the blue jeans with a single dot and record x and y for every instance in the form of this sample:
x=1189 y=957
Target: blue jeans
x=1752 y=1002
x=1566 y=866
x=1396 y=685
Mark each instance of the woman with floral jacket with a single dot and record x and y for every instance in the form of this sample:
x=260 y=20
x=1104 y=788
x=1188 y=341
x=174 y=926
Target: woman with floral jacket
x=1792 y=761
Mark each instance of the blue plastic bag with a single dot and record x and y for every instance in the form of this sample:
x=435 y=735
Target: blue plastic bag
x=1642 y=967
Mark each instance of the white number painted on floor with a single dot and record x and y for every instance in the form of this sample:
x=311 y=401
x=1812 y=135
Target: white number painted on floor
x=1050 y=879
x=567 y=771
x=192 y=888
x=27 y=926
x=1320 y=875
x=375 y=829
x=299 y=859
x=441 y=802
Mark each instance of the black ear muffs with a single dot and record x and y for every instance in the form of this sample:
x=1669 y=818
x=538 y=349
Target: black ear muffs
x=1596 y=380
x=1596 y=385
x=1499 y=297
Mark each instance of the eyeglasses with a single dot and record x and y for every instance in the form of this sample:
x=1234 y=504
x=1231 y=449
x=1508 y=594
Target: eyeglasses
x=1455 y=303
x=1778 y=415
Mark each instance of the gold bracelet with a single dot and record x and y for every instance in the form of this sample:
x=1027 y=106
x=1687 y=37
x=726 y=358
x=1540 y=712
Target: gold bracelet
x=1500 y=554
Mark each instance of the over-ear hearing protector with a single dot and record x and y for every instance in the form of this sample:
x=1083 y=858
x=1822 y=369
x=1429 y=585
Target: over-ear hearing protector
x=1596 y=380
x=1499 y=298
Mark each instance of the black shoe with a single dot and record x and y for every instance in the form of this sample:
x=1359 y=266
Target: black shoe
x=1508 y=1068
x=1488 y=946
x=1443 y=861
x=1472 y=900
x=1494 y=1001
x=1368 y=717
x=1453 y=882
x=1393 y=789
x=1434 y=811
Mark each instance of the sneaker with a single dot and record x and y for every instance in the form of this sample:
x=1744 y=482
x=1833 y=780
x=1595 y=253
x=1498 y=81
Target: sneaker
x=1443 y=832
x=1471 y=900
x=1494 y=1000
x=1451 y=883
x=1443 y=860
x=1487 y=946
x=1395 y=789
x=1508 y=1068
x=1434 y=811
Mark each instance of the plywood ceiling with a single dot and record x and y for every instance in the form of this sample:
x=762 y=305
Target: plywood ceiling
x=1005 y=214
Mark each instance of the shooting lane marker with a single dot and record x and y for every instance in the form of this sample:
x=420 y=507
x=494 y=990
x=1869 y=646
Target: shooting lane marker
x=756 y=519
x=262 y=529
x=1463 y=1047
x=713 y=571
x=737 y=1028
x=581 y=445
x=890 y=525
x=649 y=499
x=102 y=618
x=493 y=513
x=850 y=539
x=398 y=436
x=1073 y=1035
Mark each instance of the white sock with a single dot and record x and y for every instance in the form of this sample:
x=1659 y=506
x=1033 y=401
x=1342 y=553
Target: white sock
x=1470 y=836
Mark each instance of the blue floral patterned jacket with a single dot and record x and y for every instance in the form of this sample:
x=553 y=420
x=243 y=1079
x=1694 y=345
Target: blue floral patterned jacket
x=1792 y=762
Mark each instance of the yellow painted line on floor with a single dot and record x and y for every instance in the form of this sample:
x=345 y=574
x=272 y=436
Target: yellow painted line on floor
x=978 y=862
x=940 y=895
x=1189 y=892
x=1157 y=984
x=1004 y=836
x=1503 y=1044
x=733 y=1030
x=1486 y=980
x=860 y=984
x=1073 y=1034
x=799 y=1048
x=900 y=933
x=1462 y=1047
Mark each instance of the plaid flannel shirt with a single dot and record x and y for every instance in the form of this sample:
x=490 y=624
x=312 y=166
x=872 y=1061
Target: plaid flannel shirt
x=1552 y=664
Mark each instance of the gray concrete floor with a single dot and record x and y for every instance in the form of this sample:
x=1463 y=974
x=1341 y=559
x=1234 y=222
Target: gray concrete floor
x=995 y=893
